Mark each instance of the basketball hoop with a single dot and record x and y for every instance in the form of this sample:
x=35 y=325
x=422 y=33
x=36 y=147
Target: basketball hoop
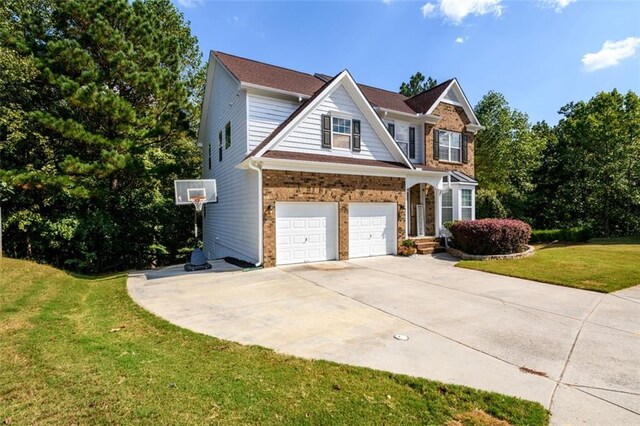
x=197 y=201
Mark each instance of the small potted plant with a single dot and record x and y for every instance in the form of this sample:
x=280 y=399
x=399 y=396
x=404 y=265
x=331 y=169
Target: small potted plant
x=408 y=248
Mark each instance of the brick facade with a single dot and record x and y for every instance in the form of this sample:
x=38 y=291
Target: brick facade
x=281 y=185
x=454 y=119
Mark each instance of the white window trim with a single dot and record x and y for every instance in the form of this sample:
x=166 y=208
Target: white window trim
x=452 y=207
x=462 y=207
x=449 y=160
x=344 y=117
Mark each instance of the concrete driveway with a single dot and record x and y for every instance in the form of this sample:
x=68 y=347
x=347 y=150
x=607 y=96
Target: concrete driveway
x=574 y=351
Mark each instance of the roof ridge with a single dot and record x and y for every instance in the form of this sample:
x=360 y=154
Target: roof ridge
x=264 y=63
x=380 y=88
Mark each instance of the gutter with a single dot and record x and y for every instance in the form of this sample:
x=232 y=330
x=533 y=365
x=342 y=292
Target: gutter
x=258 y=169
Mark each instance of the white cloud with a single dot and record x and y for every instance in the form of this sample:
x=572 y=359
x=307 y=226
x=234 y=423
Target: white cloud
x=557 y=5
x=456 y=10
x=189 y=4
x=611 y=54
x=460 y=40
x=428 y=9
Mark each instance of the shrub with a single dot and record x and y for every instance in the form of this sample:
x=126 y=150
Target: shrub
x=488 y=204
x=447 y=225
x=574 y=235
x=408 y=243
x=490 y=236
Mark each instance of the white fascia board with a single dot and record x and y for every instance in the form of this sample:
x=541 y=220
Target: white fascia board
x=204 y=110
x=455 y=86
x=474 y=128
x=374 y=119
x=421 y=118
x=322 y=167
x=259 y=88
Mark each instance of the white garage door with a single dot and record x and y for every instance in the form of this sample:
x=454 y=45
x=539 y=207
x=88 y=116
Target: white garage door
x=372 y=229
x=306 y=232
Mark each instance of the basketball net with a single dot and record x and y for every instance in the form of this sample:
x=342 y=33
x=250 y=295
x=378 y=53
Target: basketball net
x=197 y=202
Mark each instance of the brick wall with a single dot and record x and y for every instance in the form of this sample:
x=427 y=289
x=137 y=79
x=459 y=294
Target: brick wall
x=455 y=119
x=281 y=185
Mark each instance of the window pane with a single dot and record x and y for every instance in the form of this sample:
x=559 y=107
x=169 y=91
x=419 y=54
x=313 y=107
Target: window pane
x=341 y=125
x=447 y=214
x=455 y=139
x=444 y=153
x=466 y=198
x=444 y=138
x=455 y=154
x=341 y=141
x=466 y=213
x=447 y=199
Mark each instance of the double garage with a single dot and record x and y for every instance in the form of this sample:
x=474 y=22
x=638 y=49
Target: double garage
x=309 y=231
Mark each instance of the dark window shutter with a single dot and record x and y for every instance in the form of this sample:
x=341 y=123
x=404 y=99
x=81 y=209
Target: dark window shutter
x=392 y=129
x=465 y=148
x=220 y=146
x=412 y=142
x=326 y=131
x=355 y=131
x=436 y=144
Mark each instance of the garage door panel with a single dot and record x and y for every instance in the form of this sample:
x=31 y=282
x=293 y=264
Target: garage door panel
x=372 y=229
x=306 y=232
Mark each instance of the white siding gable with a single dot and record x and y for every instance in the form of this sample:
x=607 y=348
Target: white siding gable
x=306 y=137
x=451 y=97
x=264 y=115
x=230 y=226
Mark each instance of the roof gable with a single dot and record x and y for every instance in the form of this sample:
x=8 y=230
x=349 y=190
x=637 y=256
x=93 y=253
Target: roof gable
x=345 y=80
x=426 y=102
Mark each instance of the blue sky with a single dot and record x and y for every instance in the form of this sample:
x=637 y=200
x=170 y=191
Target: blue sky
x=541 y=54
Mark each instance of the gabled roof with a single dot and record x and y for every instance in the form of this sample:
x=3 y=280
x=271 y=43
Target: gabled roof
x=422 y=102
x=250 y=71
x=296 y=82
x=345 y=79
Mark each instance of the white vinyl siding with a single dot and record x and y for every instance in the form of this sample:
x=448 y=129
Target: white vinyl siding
x=265 y=114
x=230 y=227
x=402 y=138
x=306 y=137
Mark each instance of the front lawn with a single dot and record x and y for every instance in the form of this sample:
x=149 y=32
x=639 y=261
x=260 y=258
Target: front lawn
x=603 y=265
x=77 y=350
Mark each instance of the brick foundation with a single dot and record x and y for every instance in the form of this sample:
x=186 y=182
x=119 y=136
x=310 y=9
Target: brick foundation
x=281 y=185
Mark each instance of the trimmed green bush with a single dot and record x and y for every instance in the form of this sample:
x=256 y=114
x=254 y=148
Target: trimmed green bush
x=572 y=235
x=490 y=236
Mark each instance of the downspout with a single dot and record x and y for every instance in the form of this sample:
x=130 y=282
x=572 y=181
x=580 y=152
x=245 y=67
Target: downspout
x=258 y=169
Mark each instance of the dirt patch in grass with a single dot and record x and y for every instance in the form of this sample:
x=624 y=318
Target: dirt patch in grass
x=476 y=418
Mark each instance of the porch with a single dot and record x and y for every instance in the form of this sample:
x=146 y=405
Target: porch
x=434 y=198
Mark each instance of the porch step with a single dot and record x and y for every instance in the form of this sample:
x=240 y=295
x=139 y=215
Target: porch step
x=431 y=250
x=428 y=245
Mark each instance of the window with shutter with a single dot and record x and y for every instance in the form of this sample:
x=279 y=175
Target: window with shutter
x=220 y=145
x=412 y=142
x=326 y=131
x=392 y=129
x=355 y=146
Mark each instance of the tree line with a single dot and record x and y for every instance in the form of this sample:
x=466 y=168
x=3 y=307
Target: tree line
x=584 y=172
x=99 y=109
x=99 y=104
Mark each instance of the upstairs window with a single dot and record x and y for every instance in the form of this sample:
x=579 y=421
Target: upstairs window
x=450 y=146
x=341 y=133
x=220 y=145
x=227 y=135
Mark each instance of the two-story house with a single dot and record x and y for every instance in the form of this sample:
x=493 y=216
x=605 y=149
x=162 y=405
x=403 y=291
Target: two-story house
x=318 y=167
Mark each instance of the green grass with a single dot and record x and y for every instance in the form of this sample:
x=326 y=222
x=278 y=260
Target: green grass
x=61 y=363
x=603 y=265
